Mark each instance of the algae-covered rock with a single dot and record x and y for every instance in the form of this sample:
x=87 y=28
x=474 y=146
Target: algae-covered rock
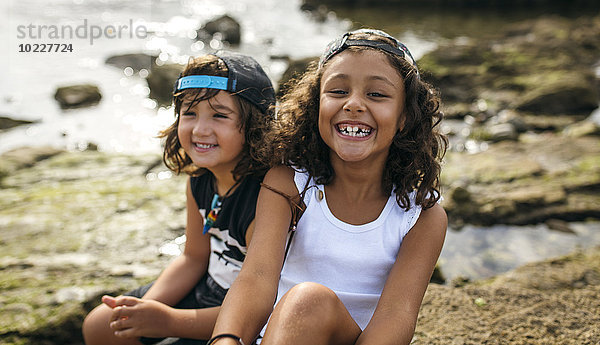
x=70 y=226
x=542 y=66
x=571 y=92
x=551 y=177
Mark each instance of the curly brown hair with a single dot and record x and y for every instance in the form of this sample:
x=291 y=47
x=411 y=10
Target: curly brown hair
x=253 y=123
x=414 y=160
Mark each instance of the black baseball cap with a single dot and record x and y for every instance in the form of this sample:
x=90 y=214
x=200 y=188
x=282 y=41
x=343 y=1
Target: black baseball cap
x=341 y=43
x=246 y=78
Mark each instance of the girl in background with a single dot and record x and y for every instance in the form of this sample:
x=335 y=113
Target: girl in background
x=223 y=104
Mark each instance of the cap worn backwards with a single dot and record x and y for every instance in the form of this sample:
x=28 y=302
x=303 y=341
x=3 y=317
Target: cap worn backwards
x=246 y=78
x=341 y=43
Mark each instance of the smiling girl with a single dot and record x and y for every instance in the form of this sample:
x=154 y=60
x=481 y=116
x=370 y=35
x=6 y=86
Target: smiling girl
x=223 y=104
x=362 y=158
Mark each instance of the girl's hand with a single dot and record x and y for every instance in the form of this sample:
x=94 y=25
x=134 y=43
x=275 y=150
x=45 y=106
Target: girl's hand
x=133 y=317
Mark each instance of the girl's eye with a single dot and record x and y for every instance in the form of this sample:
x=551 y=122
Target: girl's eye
x=376 y=94
x=189 y=113
x=220 y=116
x=338 y=92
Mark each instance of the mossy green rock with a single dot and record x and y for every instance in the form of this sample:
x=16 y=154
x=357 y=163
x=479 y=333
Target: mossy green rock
x=547 y=177
x=542 y=66
x=75 y=226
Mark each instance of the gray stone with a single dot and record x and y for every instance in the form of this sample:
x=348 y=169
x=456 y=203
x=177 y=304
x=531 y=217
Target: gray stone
x=75 y=96
x=161 y=81
x=227 y=28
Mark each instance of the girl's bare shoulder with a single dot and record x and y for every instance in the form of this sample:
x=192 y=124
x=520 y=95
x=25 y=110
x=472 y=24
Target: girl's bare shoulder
x=281 y=178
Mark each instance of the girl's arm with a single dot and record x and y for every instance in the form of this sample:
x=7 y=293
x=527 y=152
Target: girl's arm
x=395 y=317
x=182 y=274
x=152 y=315
x=250 y=299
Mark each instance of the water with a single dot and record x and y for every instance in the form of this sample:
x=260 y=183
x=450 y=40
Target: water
x=126 y=120
x=475 y=252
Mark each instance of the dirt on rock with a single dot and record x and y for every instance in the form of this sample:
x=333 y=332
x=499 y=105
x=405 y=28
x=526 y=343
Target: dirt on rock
x=552 y=302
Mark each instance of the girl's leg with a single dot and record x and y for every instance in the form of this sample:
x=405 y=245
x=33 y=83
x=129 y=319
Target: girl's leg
x=311 y=313
x=96 y=330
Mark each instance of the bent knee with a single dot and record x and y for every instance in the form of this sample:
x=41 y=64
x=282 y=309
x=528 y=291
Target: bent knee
x=96 y=323
x=312 y=298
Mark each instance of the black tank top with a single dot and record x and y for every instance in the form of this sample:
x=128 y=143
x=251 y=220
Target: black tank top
x=228 y=233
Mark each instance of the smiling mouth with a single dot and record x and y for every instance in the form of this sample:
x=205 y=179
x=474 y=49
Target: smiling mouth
x=204 y=146
x=354 y=130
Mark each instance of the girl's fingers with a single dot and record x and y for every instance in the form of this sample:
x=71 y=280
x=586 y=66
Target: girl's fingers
x=126 y=300
x=126 y=333
x=121 y=312
x=120 y=324
x=109 y=301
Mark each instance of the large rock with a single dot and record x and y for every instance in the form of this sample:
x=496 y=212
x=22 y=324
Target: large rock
x=542 y=66
x=161 y=81
x=572 y=92
x=75 y=96
x=228 y=28
x=527 y=182
x=295 y=69
x=137 y=61
x=76 y=226
x=79 y=225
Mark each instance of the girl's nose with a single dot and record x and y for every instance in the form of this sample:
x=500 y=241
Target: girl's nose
x=201 y=127
x=354 y=103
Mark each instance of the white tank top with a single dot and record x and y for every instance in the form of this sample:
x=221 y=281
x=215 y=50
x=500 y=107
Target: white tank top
x=352 y=260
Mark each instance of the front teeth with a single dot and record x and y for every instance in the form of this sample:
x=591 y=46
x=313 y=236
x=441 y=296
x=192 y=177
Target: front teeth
x=354 y=131
x=204 y=146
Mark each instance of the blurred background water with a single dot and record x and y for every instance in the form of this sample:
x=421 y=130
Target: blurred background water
x=127 y=120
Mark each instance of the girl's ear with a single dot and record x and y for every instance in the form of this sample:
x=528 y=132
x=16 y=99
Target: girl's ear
x=402 y=120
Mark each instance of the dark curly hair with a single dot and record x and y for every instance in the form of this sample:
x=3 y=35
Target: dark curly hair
x=414 y=160
x=252 y=121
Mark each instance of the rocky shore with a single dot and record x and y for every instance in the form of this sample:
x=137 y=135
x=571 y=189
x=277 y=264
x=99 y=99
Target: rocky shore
x=76 y=225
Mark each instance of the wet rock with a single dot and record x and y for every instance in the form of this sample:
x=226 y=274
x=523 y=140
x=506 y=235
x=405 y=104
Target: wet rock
x=571 y=92
x=76 y=96
x=8 y=123
x=295 y=69
x=161 y=81
x=548 y=177
x=225 y=27
x=137 y=61
x=540 y=67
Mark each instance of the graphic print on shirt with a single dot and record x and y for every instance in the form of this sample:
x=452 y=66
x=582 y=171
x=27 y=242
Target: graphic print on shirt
x=226 y=256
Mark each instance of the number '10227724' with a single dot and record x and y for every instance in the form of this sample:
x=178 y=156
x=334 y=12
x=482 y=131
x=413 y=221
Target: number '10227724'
x=46 y=48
